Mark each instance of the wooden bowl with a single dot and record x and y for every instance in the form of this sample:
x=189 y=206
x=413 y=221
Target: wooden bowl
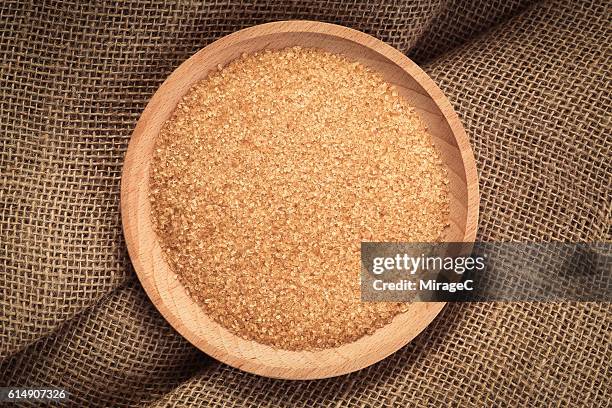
x=161 y=284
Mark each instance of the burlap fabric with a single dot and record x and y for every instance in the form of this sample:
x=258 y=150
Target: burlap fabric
x=531 y=83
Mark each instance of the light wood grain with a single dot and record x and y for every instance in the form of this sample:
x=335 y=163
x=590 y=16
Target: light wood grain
x=170 y=297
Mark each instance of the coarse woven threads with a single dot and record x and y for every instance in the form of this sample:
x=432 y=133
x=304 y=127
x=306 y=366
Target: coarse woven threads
x=529 y=82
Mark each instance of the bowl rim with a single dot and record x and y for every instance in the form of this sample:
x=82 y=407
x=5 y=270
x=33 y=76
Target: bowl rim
x=247 y=355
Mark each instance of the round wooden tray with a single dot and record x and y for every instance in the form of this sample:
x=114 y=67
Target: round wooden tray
x=167 y=293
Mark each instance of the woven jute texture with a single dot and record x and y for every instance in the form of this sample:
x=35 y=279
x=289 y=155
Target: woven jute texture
x=531 y=83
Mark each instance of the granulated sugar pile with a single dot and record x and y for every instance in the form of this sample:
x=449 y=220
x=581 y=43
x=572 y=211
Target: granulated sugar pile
x=269 y=175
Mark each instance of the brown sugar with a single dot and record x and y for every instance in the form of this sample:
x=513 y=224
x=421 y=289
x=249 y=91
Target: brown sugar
x=267 y=177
